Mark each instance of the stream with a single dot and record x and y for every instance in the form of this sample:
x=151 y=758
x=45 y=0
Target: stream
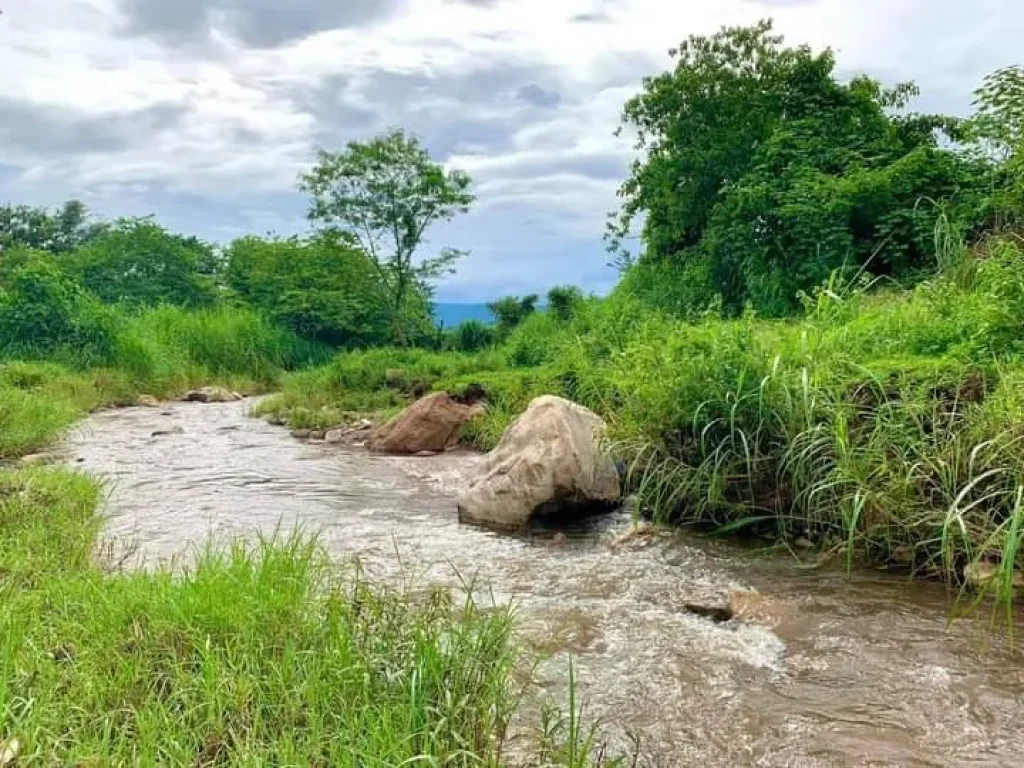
x=834 y=668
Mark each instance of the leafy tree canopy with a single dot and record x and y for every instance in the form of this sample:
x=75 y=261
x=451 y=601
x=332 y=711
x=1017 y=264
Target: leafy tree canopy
x=56 y=231
x=761 y=173
x=386 y=194
x=136 y=261
x=324 y=288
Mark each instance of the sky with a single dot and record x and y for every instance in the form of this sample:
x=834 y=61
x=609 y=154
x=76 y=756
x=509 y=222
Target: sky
x=204 y=112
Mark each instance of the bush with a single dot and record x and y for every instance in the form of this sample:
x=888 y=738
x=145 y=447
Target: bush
x=44 y=312
x=470 y=336
x=563 y=301
x=324 y=289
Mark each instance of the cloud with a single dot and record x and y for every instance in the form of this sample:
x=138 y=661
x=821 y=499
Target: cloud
x=32 y=131
x=205 y=111
x=538 y=96
x=258 y=23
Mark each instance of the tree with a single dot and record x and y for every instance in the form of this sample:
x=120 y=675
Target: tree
x=511 y=311
x=324 y=288
x=563 y=301
x=998 y=131
x=761 y=173
x=386 y=193
x=43 y=310
x=136 y=261
x=58 y=231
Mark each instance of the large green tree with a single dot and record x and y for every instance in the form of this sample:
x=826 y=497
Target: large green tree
x=760 y=173
x=385 y=194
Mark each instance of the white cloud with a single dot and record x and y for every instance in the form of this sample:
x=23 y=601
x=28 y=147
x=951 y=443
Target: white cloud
x=211 y=132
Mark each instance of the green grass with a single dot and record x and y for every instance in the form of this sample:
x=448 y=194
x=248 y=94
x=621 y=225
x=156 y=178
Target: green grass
x=161 y=352
x=255 y=655
x=260 y=654
x=885 y=425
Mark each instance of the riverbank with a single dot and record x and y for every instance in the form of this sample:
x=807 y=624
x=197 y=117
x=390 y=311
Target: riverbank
x=258 y=652
x=882 y=426
x=823 y=665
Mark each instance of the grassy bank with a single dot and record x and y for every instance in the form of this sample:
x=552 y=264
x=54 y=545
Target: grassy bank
x=255 y=656
x=886 y=425
x=263 y=653
x=160 y=352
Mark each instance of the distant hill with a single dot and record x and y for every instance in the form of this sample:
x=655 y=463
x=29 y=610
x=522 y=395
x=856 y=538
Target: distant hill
x=450 y=315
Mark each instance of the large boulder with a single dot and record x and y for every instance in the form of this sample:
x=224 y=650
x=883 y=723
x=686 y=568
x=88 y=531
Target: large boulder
x=549 y=461
x=431 y=424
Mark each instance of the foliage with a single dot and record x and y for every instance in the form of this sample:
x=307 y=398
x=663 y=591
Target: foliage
x=323 y=288
x=43 y=311
x=765 y=174
x=470 y=336
x=386 y=194
x=511 y=311
x=138 y=262
x=256 y=654
x=563 y=301
x=998 y=130
x=58 y=231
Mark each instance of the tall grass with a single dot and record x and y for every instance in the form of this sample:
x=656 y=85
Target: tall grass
x=886 y=424
x=256 y=655
x=160 y=352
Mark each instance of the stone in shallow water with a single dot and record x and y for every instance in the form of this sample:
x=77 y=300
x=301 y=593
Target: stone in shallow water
x=549 y=462
x=211 y=395
x=431 y=424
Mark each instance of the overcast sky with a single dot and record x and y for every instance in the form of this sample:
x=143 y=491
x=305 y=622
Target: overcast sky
x=204 y=111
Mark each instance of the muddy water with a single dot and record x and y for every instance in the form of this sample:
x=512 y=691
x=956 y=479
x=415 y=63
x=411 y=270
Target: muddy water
x=835 y=669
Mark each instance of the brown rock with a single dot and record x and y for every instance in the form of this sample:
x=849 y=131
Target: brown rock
x=301 y=434
x=317 y=434
x=336 y=435
x=147 y=401
x=431 y=424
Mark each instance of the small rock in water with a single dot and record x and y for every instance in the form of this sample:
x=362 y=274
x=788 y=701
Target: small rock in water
x=171 y=431
x=147 y=401
x=211 y=395
x=426 y=454
x=35 y=459
x=559 y=540
x=717 y=613
x=363 y=424
x=317 y=434
x=301 y=434
x=982 y=573
x=336 y=435
x=166 y=413
x=642 y=530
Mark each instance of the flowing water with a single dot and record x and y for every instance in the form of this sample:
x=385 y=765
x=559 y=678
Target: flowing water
x=834 y=669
